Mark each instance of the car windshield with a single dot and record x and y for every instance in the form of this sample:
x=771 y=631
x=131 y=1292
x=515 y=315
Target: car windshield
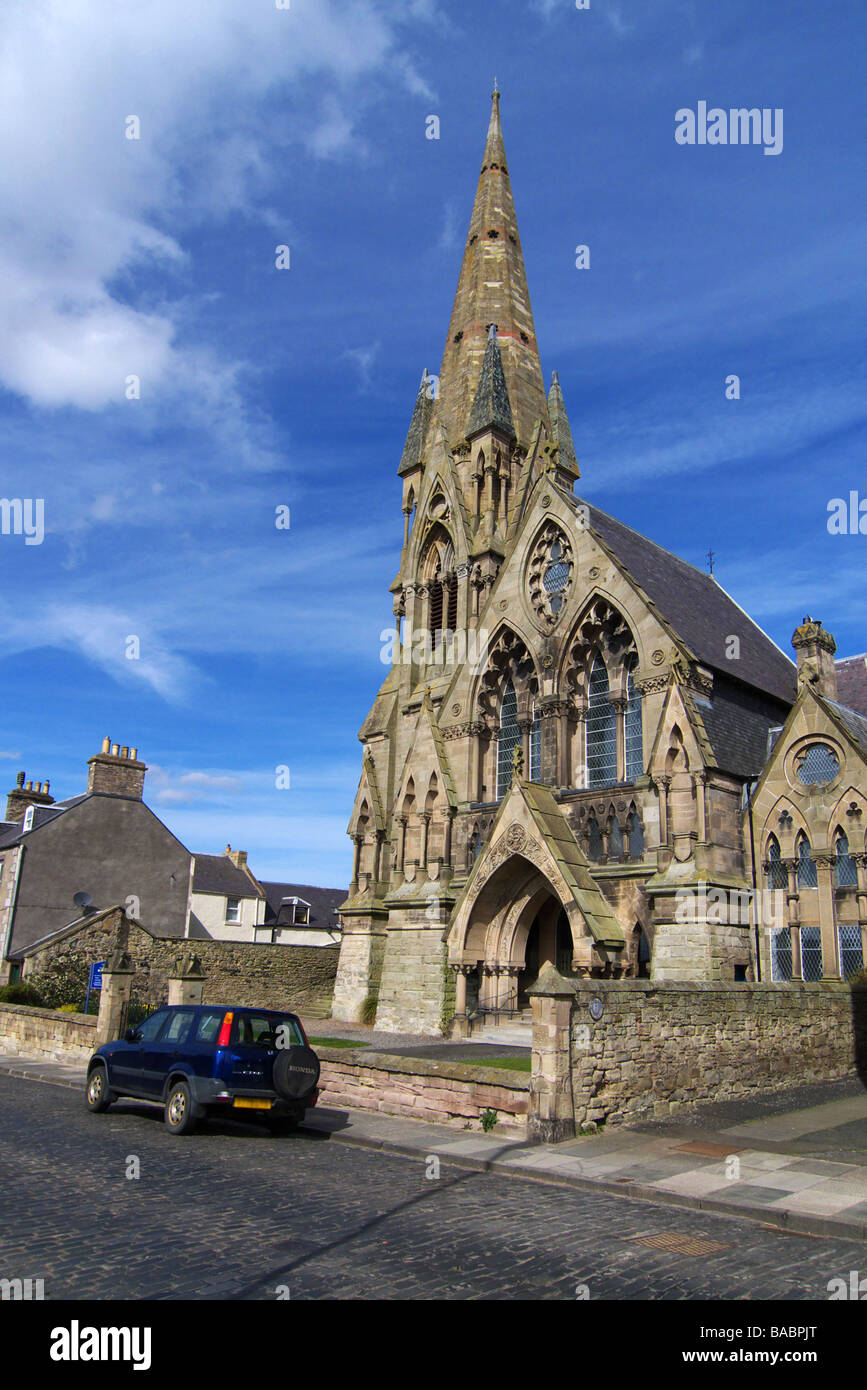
x=265 y=1030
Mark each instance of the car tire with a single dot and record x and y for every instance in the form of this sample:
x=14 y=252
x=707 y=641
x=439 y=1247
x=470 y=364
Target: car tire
x=180 y=1116
x=295 y=1073
x=97 y=1095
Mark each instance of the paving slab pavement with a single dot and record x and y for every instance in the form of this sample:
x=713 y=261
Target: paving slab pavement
x=727 y=1171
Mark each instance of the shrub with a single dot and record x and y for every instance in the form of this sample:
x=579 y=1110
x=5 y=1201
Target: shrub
x=368 y=1009
x=488 y=1119
x=22 y=993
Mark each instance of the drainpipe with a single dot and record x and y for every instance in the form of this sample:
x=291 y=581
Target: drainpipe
x=750 y=786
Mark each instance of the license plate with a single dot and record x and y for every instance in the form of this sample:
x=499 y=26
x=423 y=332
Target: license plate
x=252 y=1104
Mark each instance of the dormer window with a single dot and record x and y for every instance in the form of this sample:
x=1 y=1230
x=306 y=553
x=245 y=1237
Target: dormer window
x=28 y=818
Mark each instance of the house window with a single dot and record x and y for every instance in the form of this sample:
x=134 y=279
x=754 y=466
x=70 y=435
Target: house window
x=233 y=909
x=28 y=818
x=781 y=955
x=302 y=913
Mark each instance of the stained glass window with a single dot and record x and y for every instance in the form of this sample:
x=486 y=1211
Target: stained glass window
x=509 y=739
x=601 y=730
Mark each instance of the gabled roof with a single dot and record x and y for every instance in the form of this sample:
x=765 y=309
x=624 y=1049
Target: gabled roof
x=699 y=610
x=215 y=873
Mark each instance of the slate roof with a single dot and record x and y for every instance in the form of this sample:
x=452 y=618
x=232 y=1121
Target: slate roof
x=323 y=901
x=215 y=873
x=852 y=683
x=699 y=610
x=855 y=724
x=737 y=722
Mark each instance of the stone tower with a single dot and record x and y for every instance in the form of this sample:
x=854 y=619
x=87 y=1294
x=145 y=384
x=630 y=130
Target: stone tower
x=553 y=753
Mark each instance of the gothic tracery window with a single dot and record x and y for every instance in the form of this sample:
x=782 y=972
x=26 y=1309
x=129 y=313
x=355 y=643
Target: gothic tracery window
x=508 y=739
x=807 y=876
x=633 y=744
x=777 y=874
x=601 y=729
x=845 y=869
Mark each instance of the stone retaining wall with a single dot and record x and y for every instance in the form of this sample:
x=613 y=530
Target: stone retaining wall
x=660 y=1047
x=439 y=1092
x=236 y=972
x=44 y=1033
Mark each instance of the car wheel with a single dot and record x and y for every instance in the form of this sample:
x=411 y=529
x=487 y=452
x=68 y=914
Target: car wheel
x=99 y=1097
x=179 y=1113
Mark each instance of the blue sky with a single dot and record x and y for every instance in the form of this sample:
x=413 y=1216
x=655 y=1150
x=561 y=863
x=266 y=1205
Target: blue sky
x=263 y=388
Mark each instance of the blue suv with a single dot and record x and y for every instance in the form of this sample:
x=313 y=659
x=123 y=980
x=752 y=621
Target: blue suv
x=209 y=1059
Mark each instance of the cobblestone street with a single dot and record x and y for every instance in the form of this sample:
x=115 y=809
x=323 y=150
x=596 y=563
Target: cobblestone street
x=231 y=1212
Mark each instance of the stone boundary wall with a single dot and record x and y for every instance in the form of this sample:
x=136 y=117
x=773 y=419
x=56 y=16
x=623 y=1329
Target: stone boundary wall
x=661 y=1047
x=422 y=1090
x=30 y=1032
x=236 y=972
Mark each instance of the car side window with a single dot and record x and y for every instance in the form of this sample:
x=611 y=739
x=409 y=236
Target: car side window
x=208 y=1026
x=149 y=1028
x=177 y=1026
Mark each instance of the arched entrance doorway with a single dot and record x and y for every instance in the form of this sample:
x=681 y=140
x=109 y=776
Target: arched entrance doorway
x=514 y=924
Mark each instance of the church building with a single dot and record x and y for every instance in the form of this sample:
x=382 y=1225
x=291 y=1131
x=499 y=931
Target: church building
x=585 y=751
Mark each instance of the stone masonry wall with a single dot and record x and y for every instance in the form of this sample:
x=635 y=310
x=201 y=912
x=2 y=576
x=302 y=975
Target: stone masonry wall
x=660 y=1047
x=236 y=972
x=43 y=1033
x=422 y=1090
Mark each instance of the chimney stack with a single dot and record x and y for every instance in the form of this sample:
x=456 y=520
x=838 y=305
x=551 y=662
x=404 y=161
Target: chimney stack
x=116 y=771
x=237 y=856
x=22 y=796
x=815 y=648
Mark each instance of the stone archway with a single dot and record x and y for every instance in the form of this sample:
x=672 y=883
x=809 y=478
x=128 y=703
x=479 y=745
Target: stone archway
x=507 y=930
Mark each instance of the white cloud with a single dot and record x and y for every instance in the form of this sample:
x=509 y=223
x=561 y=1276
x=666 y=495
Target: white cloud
x=85 y=204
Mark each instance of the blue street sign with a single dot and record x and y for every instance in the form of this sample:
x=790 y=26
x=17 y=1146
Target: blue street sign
x=96 y=969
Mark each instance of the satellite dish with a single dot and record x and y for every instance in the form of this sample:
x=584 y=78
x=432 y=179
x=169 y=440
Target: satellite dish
x=82 y=900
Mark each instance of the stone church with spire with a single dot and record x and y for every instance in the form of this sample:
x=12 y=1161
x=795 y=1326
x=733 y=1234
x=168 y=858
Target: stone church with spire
x=585 y=752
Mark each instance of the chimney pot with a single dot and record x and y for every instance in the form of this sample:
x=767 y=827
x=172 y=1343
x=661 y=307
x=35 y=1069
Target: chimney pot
x=133 y=753
x=124 y=752
x=19 y=780
x=106 y=744
x=115 y=749
x=28 y=786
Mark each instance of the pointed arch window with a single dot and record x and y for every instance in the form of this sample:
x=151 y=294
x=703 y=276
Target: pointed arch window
x=778 y=876
x=635 y=835
x=508 y=739
x=594 y=839
x=615 y=839
x=845 y=869
x=601 y=729
x=807 y=876
x=535 y=747
x=632 y=741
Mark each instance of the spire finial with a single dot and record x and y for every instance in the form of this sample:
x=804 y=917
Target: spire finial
x=496 y=91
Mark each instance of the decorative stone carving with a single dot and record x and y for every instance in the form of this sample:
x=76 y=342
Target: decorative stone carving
x=549 y=575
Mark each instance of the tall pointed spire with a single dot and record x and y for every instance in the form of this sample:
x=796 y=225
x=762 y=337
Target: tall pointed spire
x=492 y=288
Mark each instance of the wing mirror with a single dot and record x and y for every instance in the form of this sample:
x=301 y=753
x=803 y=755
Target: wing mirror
x=132 y=1035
